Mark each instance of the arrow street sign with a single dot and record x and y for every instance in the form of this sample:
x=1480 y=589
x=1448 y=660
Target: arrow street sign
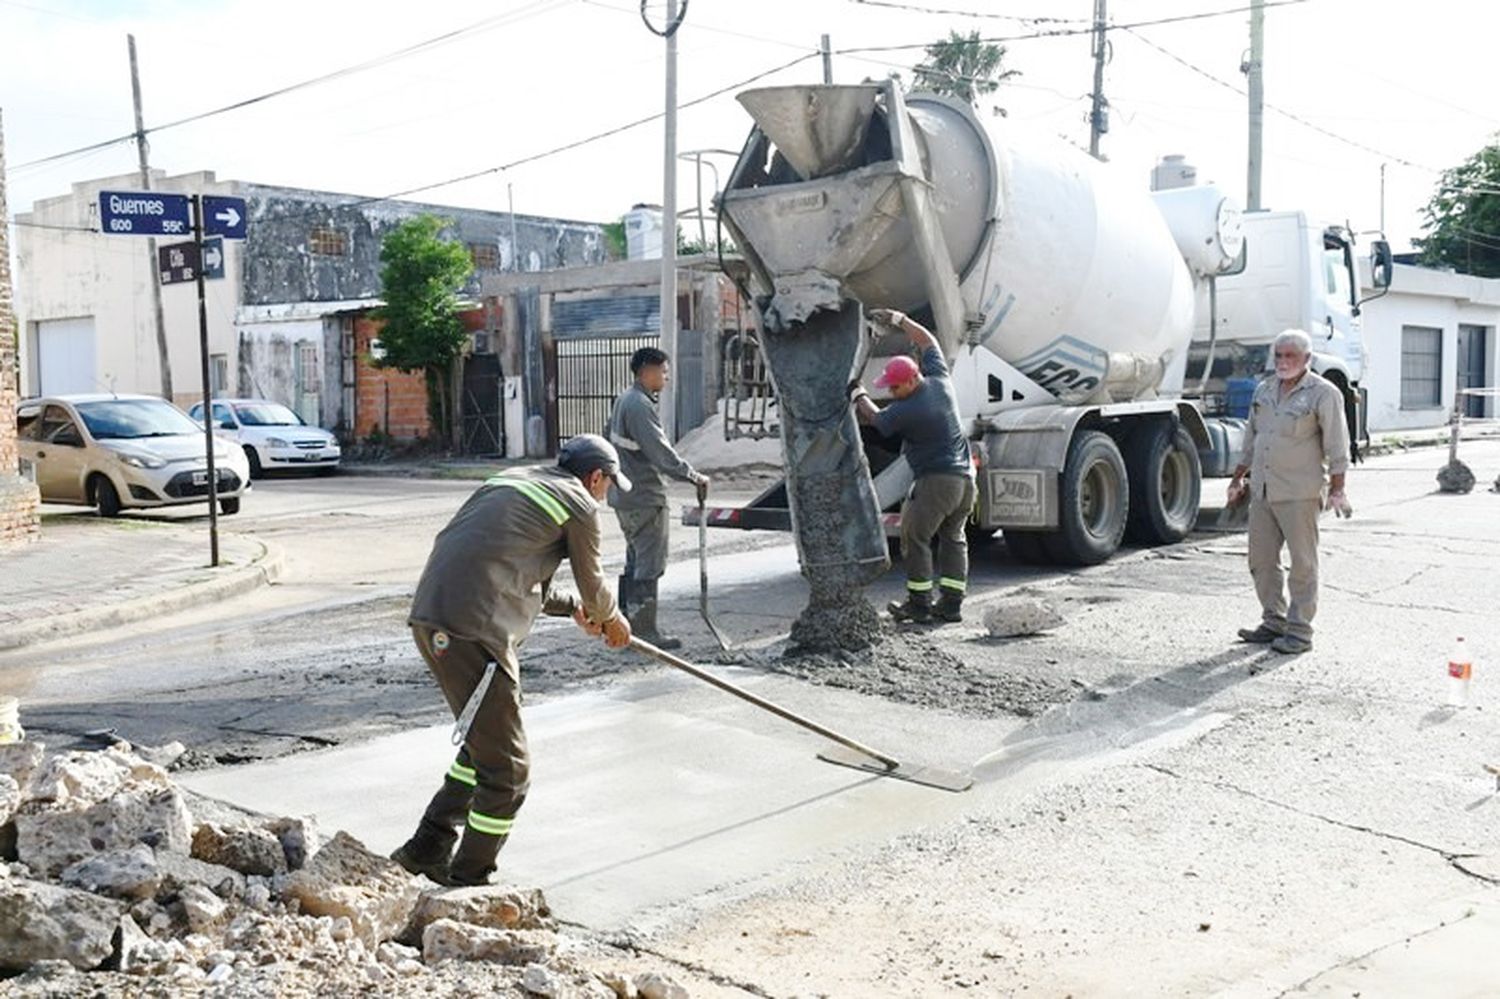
x=143 y=213
x=213 y=258
x=177 y=262
x=224 y=216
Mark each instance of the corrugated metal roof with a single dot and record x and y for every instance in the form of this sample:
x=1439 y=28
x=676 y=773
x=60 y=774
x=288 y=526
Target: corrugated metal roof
x=612 y=314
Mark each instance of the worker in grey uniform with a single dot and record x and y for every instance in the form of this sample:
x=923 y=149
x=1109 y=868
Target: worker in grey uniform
x=1296 y=429
x=646 y=455
x=925 y=416
x=486 y=580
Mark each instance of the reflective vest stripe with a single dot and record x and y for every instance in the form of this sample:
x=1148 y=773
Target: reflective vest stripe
x=949 y=583
x=490 y=824
x=463 y=774
x=620 y=440
x=537 y=494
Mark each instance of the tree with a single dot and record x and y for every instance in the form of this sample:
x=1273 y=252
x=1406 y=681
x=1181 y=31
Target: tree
x=1463 y=218
x=964 y=67
x=420 y=276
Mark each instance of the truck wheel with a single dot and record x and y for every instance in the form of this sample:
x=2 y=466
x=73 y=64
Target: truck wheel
x=1166 y=480
x=1094 y=502
x=1028 y=547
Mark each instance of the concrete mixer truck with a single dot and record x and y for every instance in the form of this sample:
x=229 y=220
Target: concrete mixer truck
x=1098 y=333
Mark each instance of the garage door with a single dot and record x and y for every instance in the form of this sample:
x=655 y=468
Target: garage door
x=65 y=356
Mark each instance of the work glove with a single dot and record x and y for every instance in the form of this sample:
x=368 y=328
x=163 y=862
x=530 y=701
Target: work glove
x=888 y=317
x=1238 y=490
x=617 y=632
x=1339 y=504
x=699 y=481
x=855 y=390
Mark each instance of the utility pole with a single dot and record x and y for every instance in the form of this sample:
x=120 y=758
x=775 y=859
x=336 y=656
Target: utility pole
x=1099 y=113
x=668 y=306
x=1382 y=201
x=1257 y=102
x=826 y=48
x=143 y=154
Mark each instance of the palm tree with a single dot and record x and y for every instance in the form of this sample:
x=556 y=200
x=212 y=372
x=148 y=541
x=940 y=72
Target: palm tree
x=965 y=67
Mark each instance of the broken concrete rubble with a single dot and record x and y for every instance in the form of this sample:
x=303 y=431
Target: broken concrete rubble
x=493 y=906
x=1015 y=617
x=450 y=940
x=125 y=874
x=42 y=922
x=246 y=849
x=51 y=836
x=345 y=879
x=656 y=986
x=10 y=797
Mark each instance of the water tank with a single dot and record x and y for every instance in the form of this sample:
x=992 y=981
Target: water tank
x=643 y=233
x=1172 y=172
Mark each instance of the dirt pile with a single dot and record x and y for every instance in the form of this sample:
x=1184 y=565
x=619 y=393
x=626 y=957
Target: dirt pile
x=111 y=885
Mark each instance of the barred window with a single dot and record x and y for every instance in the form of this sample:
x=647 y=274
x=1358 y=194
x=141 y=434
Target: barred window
x=1421 y=367
x=486 y=256
x=326 y=242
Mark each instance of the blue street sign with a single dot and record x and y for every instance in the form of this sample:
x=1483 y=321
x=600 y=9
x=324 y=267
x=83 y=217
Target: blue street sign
x=224 y=216
x=143 y=213
x=213 y=258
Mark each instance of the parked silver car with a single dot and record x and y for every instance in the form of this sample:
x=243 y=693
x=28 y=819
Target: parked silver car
x=122 y=451
x=273 y=436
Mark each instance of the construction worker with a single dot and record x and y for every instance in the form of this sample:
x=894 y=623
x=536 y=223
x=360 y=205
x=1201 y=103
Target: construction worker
x=1296 y=427
x=646 y=454
x=485 y=582
x=925 y=416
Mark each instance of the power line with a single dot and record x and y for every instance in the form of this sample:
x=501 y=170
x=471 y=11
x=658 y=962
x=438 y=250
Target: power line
x=1279 y=110
x=968 y=13
x=493 y=21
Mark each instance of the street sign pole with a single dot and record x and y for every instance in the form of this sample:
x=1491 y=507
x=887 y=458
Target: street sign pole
x=208 y=408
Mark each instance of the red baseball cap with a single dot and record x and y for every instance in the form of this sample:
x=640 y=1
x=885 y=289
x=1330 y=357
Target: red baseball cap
x=898 y=371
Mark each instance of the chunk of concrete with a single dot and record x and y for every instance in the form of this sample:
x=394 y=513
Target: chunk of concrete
x=136 y=953
x=299 y=839
x=10 y=797
x=206 y=912
x=125 y=874
x=52 y=836
x=622 y=985
x=1018 y=616
x=495 y=906
x=447 y=940
x=246 y=849
x=42 y=922
x=652 y=985
x=179 y=870
x=539 y=981
x=1455 y=477
x=346 y=879
x=20 y=760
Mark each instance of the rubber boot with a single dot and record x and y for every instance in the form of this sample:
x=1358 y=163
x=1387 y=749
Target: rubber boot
x=949 y=606
x=623 y=594
x=917 y=609
x=475 y=860
x=430 y=848
x=643 y=621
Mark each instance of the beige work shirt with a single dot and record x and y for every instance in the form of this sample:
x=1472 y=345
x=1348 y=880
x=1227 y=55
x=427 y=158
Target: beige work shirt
x=490 y=568
x=1291 y=438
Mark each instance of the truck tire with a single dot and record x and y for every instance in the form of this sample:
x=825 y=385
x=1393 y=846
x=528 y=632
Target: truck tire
x=1094 y=502
x=1166 y=481
x=1027 y=547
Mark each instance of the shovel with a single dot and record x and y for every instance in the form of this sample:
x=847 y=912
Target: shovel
x=713 y=626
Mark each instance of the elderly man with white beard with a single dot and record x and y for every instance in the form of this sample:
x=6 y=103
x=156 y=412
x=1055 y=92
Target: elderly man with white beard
x=1296 y=429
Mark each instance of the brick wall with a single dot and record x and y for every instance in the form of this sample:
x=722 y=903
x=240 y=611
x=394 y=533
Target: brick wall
x=18 y=497
x=392 y=400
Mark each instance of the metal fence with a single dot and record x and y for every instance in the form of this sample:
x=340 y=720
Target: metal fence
x=590 y=374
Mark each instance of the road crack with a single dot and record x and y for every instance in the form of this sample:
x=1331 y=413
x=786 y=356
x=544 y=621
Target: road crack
x=1347 y=962
x=626 y=942
x=1452 y=858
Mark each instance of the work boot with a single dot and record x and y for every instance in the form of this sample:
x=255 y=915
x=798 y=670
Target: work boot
x=1261 y=634
x=950 y=606
x=427 y=853
x=475 y=860
x=1292 y=645
x=622 y=594
x=643 y=621
x=917 y=609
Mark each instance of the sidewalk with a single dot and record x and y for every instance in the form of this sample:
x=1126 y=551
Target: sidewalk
x=87 y=573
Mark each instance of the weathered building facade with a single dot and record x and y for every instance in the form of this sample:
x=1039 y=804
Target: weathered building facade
x=18 y=495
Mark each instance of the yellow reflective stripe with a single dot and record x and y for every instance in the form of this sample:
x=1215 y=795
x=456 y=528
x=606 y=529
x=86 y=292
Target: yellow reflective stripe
x=463 y=774
x=490 y=824
x=919 y=585
x=948 y=582
x=538 y=495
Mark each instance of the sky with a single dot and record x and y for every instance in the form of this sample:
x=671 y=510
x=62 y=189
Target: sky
x=1350 y=86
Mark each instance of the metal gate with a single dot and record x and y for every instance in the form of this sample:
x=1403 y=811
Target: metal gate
x=482 y=435
x=590 y=374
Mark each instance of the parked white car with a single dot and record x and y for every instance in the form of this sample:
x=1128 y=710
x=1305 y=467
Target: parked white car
x=122 y=451
x=273 y=436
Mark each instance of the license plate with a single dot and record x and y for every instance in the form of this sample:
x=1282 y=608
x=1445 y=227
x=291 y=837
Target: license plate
x=200 y=478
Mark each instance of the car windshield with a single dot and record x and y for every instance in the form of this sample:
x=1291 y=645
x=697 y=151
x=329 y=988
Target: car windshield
x=118 y=419
x=267 y=414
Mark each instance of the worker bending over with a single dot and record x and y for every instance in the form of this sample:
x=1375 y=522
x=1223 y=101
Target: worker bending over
x=485 y=582
x=925 y=416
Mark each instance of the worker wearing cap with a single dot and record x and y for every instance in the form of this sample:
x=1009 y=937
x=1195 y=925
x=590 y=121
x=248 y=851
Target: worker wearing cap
x=1296 y=430
x=635 y=428
x=485 y=582
x=925 y=416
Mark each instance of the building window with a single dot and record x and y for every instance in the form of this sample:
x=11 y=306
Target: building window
x=327 y=242
x=218 y=375
x=1421 y=367
x=486 y=256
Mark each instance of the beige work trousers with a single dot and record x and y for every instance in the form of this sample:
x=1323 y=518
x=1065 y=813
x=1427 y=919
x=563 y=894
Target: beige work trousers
x=1292 y=524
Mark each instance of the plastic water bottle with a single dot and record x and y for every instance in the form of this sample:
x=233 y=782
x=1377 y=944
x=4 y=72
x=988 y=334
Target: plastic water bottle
x=1460 y=670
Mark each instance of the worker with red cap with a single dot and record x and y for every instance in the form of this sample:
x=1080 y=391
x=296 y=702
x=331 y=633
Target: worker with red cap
x=925 y=416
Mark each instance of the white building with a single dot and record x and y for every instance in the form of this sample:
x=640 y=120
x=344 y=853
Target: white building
x=1431 y=335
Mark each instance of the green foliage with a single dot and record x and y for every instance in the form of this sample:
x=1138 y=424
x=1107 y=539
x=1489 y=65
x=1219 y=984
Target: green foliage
x=1462 y=221
x=614 y=240
x=964 y=67
x=421 y=274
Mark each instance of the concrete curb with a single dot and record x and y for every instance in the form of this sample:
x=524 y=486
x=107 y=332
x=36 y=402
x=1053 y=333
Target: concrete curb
x=262 y=570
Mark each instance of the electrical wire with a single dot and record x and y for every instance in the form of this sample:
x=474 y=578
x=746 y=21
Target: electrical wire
x=890 y=4
x=494 y=21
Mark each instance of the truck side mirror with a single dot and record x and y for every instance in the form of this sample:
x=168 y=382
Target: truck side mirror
x=1381 y=263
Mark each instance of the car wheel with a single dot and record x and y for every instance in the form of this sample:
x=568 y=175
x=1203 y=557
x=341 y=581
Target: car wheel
x=229 y=505
x=327 y=470
x=254 y=459
x=105 y=497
